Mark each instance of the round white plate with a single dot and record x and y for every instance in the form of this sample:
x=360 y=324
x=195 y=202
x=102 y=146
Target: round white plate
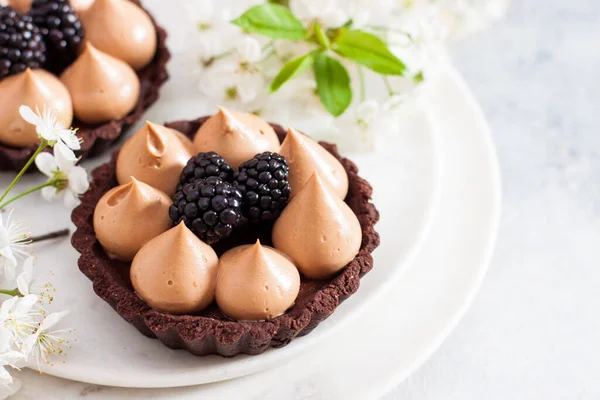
x=110 y=351
x=401 y=329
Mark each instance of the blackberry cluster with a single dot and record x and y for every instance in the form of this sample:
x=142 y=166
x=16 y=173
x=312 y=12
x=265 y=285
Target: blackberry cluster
x=61 y=28
x=204 y=165
x=210 y=207
x=263 y=181
x=21 y=43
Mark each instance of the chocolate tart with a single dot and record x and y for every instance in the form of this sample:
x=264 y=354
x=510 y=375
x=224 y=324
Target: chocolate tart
x=98 y=138
x=210 y=331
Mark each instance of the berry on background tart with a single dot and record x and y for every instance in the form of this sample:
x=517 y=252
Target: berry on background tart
x=236 y=248
x=99 y=64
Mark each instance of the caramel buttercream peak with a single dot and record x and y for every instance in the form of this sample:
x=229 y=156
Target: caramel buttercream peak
x=32 y=83
x=236 y=136
x=122 y=29
x=128 y=216
x=256 y=282
x=156 y=142
x=304 y=155
x=155 y=155
x=103 y=87
x=175 y=272
x=318 y=230
x=36 y=89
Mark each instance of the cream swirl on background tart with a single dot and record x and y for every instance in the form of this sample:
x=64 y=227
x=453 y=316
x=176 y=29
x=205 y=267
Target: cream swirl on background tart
x=103 y=88
x=36 y=89
x=262 y=296
x=121 y=29
x=102 y=122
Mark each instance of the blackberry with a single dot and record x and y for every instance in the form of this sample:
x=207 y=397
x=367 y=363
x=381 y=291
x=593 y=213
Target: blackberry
x=263 y=181
x=204 y=165
x=61 y=29
x=21 y=43
x=210 y=207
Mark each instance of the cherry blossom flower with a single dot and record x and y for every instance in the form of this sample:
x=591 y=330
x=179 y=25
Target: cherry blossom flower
x=13 y=245
x=232 y=81
x=18 y=319
x=64 y=177
x=9 y=358
x=48 y=127
x=46 y=343
x=327 y=12
x=28 y=284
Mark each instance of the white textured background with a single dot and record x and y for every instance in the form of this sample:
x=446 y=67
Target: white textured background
x=533 y=331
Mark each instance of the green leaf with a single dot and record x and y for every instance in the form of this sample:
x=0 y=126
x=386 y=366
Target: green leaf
x=321 y=37
x=271 y=20
x=333 y=84
x=290 y=70
x=419 y=77
x=368 y=50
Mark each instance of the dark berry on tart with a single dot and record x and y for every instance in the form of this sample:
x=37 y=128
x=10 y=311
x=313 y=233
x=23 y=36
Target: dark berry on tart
x=76 y=47
x=263 y=181
x=21 y=43
x=61 y=29
x=268 y=283
x=210 y=207
x=204 y=165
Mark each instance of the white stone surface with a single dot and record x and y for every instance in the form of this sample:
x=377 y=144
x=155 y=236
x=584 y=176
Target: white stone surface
x=533 y=331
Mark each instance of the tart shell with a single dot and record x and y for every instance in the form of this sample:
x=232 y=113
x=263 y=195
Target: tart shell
x=210 y=331
x=98 y=138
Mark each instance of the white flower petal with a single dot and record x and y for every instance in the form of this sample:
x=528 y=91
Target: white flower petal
x=28 y=115
x=198 y=10
x=8 y=268
x=49 y=193
x=11 y=357
x=7 y=306
x=367 y=109
x=25 y=303
x=4 y=235
x=46 y=132
x=69 y=137
x=5 y=378
x=335 y=17
x=24 y=278
x=250 y=85
x=52 y=320
x=9 y=388
x=78 y=180
x=249 y=49
x=310 y=9
x=10 y=260
x=6 y=338
x=62 y=150
x=46 y=163
x=71 y=199
x=65 y=163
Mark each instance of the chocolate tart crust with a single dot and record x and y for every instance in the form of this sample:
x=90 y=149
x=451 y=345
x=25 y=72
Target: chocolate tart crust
x=98 y=138
x=210 y=331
